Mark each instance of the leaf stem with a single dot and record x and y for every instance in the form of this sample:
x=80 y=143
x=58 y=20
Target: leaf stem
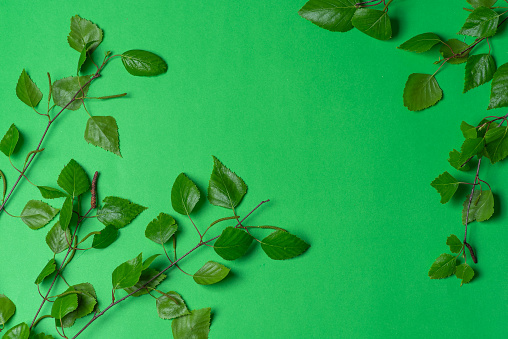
x=469 y=207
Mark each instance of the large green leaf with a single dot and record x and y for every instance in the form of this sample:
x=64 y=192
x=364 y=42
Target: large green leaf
x=73 y=179
x=37 y=214
x=443 y=267
x=373 y=22
x=161 y=229
x=66 y=213
x=65 y=89
x=192 y=326
x=84 y=32
x=184 y=194
x=481 y=23
x=87 y=303
x=171 y=305
x=225 y=188
x=211 y=273
x=421 y=91
x=282 y=245
x=452 y=50
x=64 y=305
x=465 y=273
x=51 y=193
x=497 y=143
x=103 y=132
x=480 y=69
x=143 y=63
x=118 y=212
x=454 y=243
x=20 y=331
x=333 y=15
x=146 y=275
x=454 y=160
x=27 y=91
x=46 y=271
x=499 y=90
x=107 y=236
x=421 y=42
x=9 y=141
x=128 y=273
x=233 y=243
x=481 y=3
x=58 y=239
x=446 y=185
x=7 y=309
x=470 y=148
x=482 y=206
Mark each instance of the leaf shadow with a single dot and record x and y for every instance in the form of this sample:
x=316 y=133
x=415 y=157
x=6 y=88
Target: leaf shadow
x=395 y=27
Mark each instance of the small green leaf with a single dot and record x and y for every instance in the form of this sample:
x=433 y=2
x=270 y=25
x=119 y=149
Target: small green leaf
x=225 y=189
x=149 y=261
x=468 y=131
x=42 y=336
x=9 y=141
x=443 y=267
x=65 y=89
x=233 y=243
x=373 y=22
x=499 y=90
x=103 y=132
x=37 y=214
x=481 y=23
x=83 y=54
x=66 y=213
x=82 y=33
x=211 y=273
x=46 y=271
x=64 y=305
x=421 y=43
x=146 y=275
x=470 y=148
x=481 y=3
x=497 y=143
x=454 y=243
x=118 y=212
x=184 y=195
x=128 y=273
x=192 y=326
x=482 y=206
x=333 y=15
x=161 y=229
x=7 y=309
x=143 y=63
x=480 y=69
x=73 y=179
x=51 y=193
x=454 y=160
x=465 y=273
x=452 y=50
x=27 y=91
x=20 y=331
x=58 y=239
x=87 y=303
x=446 y=185
x=421 y=91
x=170 y=308
x=107 y=237
x=282 y=245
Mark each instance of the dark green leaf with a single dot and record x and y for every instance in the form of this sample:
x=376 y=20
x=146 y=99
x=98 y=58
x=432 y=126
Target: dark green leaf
x=499 y=90
x=465 y=273
x=481 y=23
x=452 y=49
x=58 y=239
x=64 y=305
x=160 y=230
x=149 y=261
x=128 y=273
x=37 y=214
x=51 y=193
x=454 y=243
x=170 y=308
x=225 y=189
x=481 y=3
x=333 y=15
x=65 y=89
x=446 y=185
x=497 y=143
x=146 y=275
x=454 y=160
x=9 y=141
x=143 y=63
x=7 y=309
x=421 y=43
x=470 y=148
x=482 y=206
x=484 y=126
x=42 y=336
x=118 y=212
x=373 y=22
x=443 y=267
x=479 y=70
x=20 y=331
x=107 y=237
x=27 y=91
x=66 y=213
x=282 y=245
x=233 y=243
x=184 y=195
x=83 y=32
x=87 y=303
x=421 y=91
x=211 y=273
x=103 y=132
x=46 y=271
x=83 y=54
x=192 y=326
x=73 y=179
x=468 y=131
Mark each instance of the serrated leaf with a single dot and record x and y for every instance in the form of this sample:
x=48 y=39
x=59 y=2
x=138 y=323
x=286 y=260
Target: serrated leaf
x=497 y=144
x=37 y=214
x=446 y=185
x=83 y=32
x=107 y=237
x=468 y=131
x=20 y=331
x=454 y=160
x=51 y=193
x=9 y=141
x=143 y=63
x=333 y=15
x=443 y=267
x=225 y=188
x=103 y=132
x=421 y=91
x=454 y=243
x=66 y=213
x=481 y=3
x=73 y=179
x=87 y=303
x=465 y=273
x=470 y=148
x=421 y=43
x=46 y=271
x=481 y=23
x=65 y=89
x=184 y=195
x=161 y=229
x=373 y=22
x=149 y=261
x=146 y=275
x=58 y=239
x=170 y=308
x=482 y=206
x=7 y=309
x=211 y=273
x=499 y=89
x=118 y=212
x=282 y=245
x=452 y=49
x=27 y=91
x=233 y=243
x=480 y=69
x=192 y=326
x=128 y=273
x=64 y=305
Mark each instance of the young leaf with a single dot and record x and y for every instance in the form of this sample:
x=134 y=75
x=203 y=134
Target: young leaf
x=225 y=188
x=37 y=214
x=58 y=239
x=482 y=206
x=480 y=69
x=161 y=229
x=421 y=91
x=20 y=331
x=170 y=308
x=333 y=15
x=9 y=141
x=146 y=275
x=482 y=3
x=282 y=245
x=452 y=50
x=192 y=326
x=482 y=23
x=454 y=160
x=82 y=33
x=66 y=213
x=149 y=261
x=143 y=63
x=46 y=271
x=465 y=273
x=107 y=237
x=446 y=185
x=373 y=22
x=421 y=43
x=443 y=267
x=7 y=309
x=118 y=212
x=65 y=89
x=211 y=273
x=184 y=195
x=468 y=131
x=454 y=243
x=51 y=193
x=103 y=132
x=73 y=179
x=27 y=91
x=497 y=143
x=499 y=90
x=233 y=243
x=128 y=273
x=470 y=148
x=64 y=305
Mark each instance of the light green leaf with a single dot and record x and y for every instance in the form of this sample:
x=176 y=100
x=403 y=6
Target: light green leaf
x=87 y=303
x=118 y=212
x=66 y=213
x=211 y=273
x=7 y=309
x=170 y=308
x=282 y=245
x=421 y=91
x=421 y=43
x=192 y=326
x=470 y=148
x=225 y=188
x=27 y=91
x=37 y=214
x=465 y=273
x=73 y=179
x=482 y=3
x=84 y=32
x=373 y=22
x=446 y=185
x=9 y=141
x=65 y=89
x=482 y=206
x=58 y=239
x=128 y=273
x=146 y=275
x=454 y=160
x=103 y=132
x=454 y=243
x=107 y=237
x=233 y=243
x=452 y=49
x=143 y=63
x=443 y=267
x=499 y=90
x=481 y=23
x=480 y=69
x=51 y=193
x=149 y=261
x=20 y=331
x=161 y=229
x=497 y=143
x=184 y=195
x=46 y=271
x=333 y=15
x=64 y=305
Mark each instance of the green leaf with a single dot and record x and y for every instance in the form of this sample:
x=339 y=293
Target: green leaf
x=128 y=273
x=51 y=193
x=481 y=3
x=82 y=33
x=465 y=273
x=58 y=239
x=118 y=212
x=9 y=141
x=225 y=189
x=161 y=229
x=443 y=267
x=170 y=308
x=65 y=89
x=66 y=213
x=454 y=160
x=184 y=195
x=37 y=214
x=146 y=275
x=46 y=271
x=149 y=261
x=454 y=243
x=143 y=63
x=73 y=179
x=481 y=23
x=27 y=91
x=107 y=237
x=480 y=69
x=497 y=144
x=64 y=305
x=7 y=309
x=470 y=148
x=20 y=331
x=42 y=336
x=446 y=185
x=499 y=90
x=103 y=132
x=87 y=303
x=282 y=245
x=468 y=131
x=83 y=54
x=192 y=326
x=421 y=43
x=373 y=22
x=333 y=15
x=454 y=47
x=233 y=243
x=482 y=206
x=421 y=91
x=484 y=126
x=211 y=273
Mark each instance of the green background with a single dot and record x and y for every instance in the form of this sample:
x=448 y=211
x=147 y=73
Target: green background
x=310 y=119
